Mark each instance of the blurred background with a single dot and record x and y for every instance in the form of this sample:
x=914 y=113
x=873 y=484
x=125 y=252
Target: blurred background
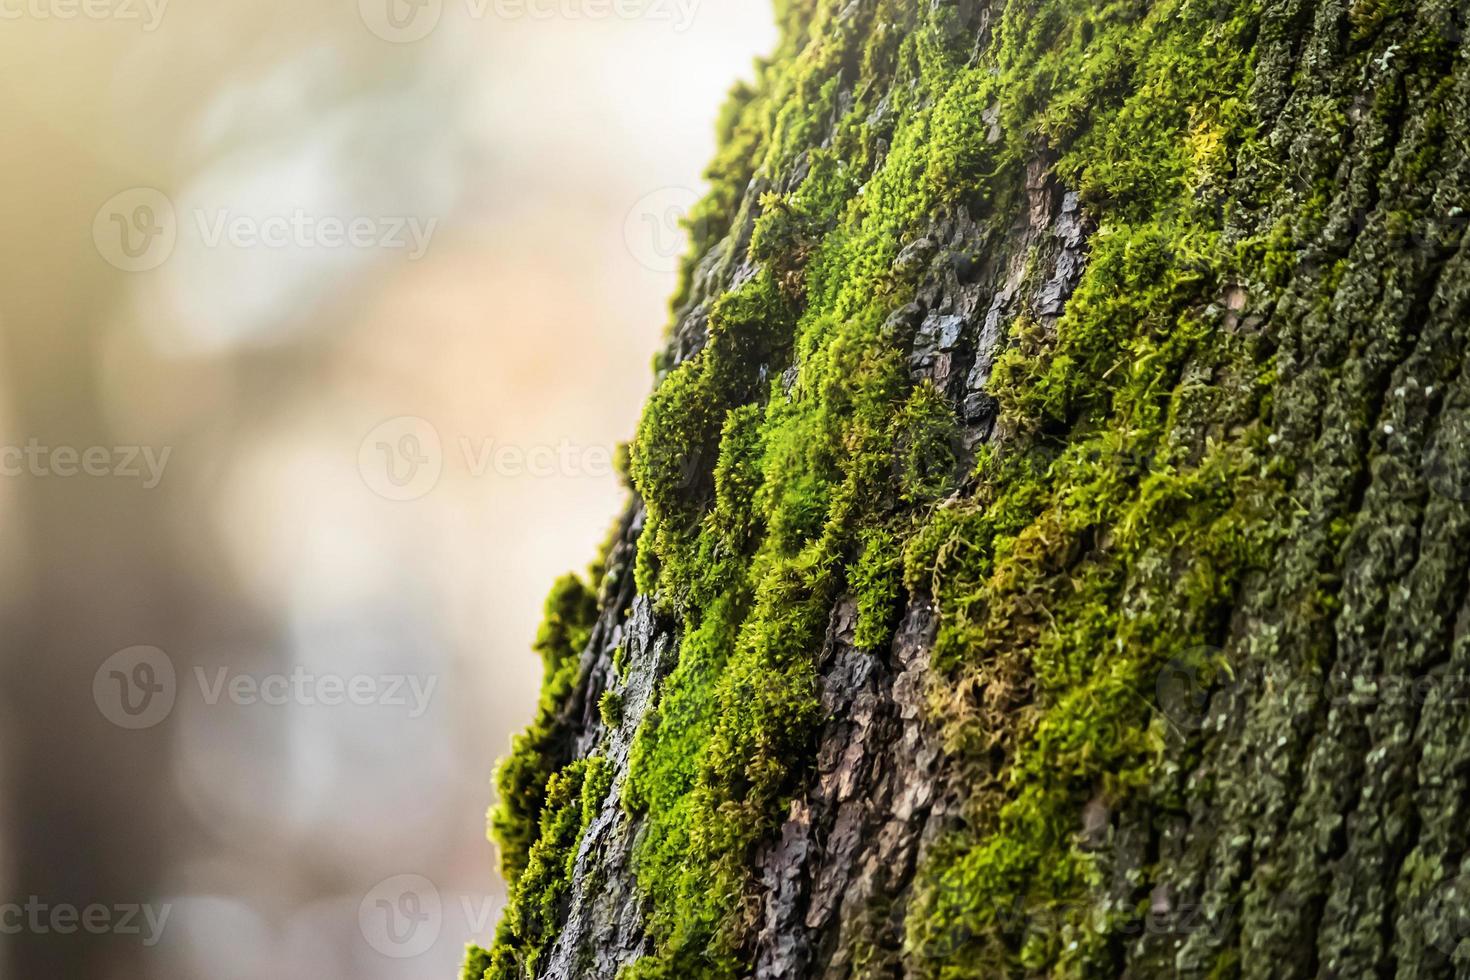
x=318 y=326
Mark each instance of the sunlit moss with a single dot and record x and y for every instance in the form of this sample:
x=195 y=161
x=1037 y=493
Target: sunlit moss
x=545 y=747
x=1129 y=490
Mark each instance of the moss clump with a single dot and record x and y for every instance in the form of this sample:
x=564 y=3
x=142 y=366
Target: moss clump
x=680 y=437
x=545 y=747
x=476 y=962
x=610 y=708
x=877 y=585
x=529 y=927
x=926 y=444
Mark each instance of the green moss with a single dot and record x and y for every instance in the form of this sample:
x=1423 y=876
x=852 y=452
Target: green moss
x=476 y=962
x=1128 y=495
x=877 y=584
x=679 y=440
x=529 y=926
x=544 y=747
x=1145 y=110
x=610 y=708
x=926 y=443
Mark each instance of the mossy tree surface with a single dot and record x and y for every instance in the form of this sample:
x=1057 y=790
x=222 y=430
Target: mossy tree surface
x=1193 y=526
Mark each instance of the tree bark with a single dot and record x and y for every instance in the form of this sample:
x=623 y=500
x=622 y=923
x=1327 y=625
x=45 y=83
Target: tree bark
x=1049 y=537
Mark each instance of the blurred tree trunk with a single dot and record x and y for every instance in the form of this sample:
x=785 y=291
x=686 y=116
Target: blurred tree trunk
x=88 y=572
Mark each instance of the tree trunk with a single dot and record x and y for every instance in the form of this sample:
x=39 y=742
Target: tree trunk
x=1049 y=538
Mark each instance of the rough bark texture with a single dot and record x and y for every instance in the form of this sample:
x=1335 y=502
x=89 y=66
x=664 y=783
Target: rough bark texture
x=1049 y=537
